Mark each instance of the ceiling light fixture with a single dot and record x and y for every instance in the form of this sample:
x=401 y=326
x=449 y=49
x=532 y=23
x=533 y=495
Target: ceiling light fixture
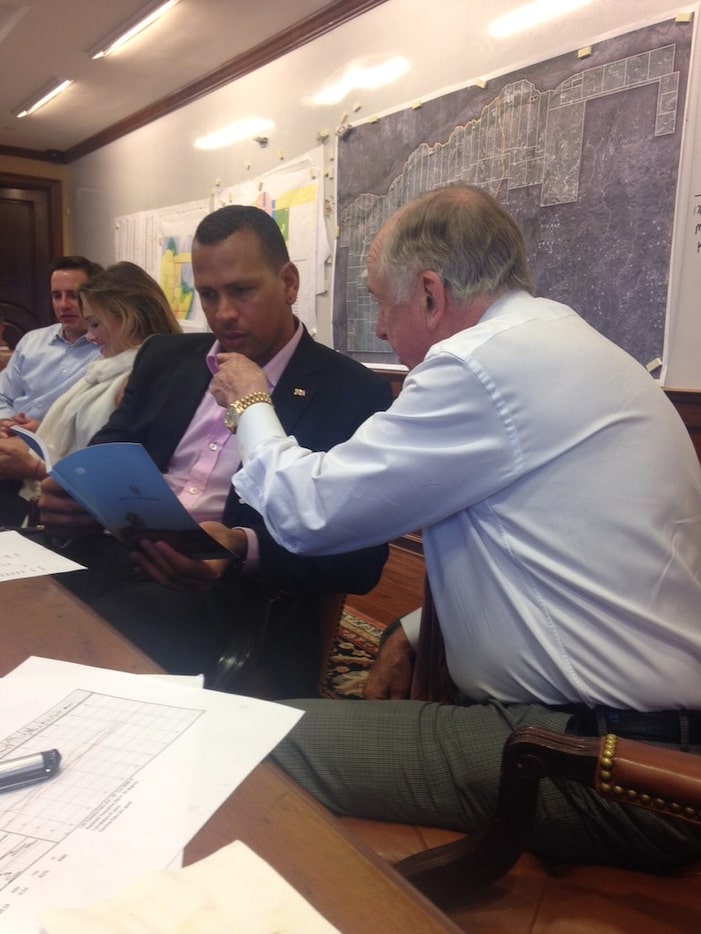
x=55 y=87
x=532 y=14
x=138 y=22
x=361 y=74
x=251 y=128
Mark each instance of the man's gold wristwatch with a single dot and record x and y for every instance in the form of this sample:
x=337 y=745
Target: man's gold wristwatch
x=236 y=408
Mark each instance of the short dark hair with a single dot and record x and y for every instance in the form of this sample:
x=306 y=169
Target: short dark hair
x=233 y=218
x=76 y=262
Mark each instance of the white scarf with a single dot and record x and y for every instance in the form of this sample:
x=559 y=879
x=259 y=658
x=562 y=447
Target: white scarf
x=83 y=409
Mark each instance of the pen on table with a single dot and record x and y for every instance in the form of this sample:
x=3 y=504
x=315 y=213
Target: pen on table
x=27 y=770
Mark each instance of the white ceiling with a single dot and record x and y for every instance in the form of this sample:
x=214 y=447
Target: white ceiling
x=45 y=39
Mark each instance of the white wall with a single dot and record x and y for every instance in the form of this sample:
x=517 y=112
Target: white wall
x=447 y=44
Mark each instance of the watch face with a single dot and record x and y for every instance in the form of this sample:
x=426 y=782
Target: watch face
x=231 y=417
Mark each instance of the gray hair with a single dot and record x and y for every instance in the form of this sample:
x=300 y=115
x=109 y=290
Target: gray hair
x=462 y=234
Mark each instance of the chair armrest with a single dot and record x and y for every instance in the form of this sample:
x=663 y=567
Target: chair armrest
x=630 y=772
x=654 y=777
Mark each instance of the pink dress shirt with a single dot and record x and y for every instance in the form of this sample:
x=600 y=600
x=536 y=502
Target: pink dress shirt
x=202 y=465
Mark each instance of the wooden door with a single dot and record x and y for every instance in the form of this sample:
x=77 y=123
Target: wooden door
x=30 y=239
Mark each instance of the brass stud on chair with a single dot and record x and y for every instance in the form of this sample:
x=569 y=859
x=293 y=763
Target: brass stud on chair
x=607 y=787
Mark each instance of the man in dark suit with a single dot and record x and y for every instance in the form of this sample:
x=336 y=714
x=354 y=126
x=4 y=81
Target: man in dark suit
x=182 y=611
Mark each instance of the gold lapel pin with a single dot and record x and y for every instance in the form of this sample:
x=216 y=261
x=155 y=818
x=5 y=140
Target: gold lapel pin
x=300 y=392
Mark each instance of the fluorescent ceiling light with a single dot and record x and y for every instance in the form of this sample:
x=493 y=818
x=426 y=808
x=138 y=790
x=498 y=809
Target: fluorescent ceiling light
x=359 y=75
x=234 y=133
x=119 y=37
x=532 y=14
x=55 y=87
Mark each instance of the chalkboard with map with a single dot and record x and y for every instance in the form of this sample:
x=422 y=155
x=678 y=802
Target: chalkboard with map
x=585 y=153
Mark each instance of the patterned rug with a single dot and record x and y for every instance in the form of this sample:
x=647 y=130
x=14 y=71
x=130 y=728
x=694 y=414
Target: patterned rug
x=352 y=655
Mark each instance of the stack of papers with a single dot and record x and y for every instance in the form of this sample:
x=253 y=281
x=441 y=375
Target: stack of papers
x=144 y=764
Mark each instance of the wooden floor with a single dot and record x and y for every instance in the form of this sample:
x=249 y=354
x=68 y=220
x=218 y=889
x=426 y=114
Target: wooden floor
x=399 y=591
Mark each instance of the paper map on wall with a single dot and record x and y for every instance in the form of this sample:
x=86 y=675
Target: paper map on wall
x=292 y=195
x=161 y=240
x=583 y=151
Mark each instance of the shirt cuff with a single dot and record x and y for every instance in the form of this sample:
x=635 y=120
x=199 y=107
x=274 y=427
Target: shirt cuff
x=257 y=423
x=411 y=623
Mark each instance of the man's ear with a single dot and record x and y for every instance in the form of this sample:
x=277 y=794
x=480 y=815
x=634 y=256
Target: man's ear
x=433 y=297
x=290 y=278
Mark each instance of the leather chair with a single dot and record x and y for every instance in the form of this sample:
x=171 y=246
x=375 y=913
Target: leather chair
x=486 y=883
x=244 y=648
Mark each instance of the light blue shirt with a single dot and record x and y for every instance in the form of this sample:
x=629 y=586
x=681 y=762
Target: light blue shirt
x=43 y=365
x=560 y=500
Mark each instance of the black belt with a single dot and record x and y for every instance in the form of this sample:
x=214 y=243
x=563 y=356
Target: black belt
x=677 y=727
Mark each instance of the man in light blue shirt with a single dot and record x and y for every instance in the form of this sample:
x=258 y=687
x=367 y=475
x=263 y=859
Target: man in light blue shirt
x=47 y=361
x=44 y=364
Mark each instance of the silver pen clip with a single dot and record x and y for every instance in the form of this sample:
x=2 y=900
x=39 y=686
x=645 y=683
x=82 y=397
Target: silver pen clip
x=26 y=770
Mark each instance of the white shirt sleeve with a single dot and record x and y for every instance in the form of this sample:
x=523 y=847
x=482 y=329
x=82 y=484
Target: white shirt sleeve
x=439 y=448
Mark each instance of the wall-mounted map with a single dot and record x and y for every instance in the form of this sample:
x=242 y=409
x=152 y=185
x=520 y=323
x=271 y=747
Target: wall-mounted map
x=583 y=151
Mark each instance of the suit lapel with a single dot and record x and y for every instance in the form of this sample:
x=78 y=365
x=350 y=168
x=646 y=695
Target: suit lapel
x=298 y=384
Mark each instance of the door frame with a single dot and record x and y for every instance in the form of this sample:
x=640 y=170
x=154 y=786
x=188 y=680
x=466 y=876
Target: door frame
x=52 y=189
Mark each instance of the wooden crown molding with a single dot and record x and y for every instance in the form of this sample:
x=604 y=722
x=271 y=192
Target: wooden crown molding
x=301 y=33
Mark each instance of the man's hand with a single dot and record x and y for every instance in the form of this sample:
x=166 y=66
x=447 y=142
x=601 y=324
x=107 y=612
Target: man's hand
x=237 y=377
x=31 y=424
x=234 y=540
x=168 y=567
x=60 y=513
x=390 y=676
x=17 y=462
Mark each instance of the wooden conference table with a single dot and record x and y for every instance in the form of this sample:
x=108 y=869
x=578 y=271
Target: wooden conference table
x=334 y=871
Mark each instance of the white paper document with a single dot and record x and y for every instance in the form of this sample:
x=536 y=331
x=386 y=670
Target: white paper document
x=233 y=890
x=21 y=557
x=145 y=763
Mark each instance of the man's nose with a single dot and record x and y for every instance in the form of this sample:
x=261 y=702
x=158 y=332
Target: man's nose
x=226 y=308
x=380 y=330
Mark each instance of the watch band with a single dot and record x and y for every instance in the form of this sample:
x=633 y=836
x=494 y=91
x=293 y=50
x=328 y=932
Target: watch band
x=236 y=408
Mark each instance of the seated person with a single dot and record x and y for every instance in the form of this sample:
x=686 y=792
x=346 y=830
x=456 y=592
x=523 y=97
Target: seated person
x=562 y=549
x=121 y=306
x=184 y=612
x=45 y=362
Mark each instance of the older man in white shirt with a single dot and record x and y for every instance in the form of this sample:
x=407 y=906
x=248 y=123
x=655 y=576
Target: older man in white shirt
x=563 y=547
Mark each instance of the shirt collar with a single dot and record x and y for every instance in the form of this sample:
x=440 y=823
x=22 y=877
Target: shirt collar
x=59 y=338
x=275 y=367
